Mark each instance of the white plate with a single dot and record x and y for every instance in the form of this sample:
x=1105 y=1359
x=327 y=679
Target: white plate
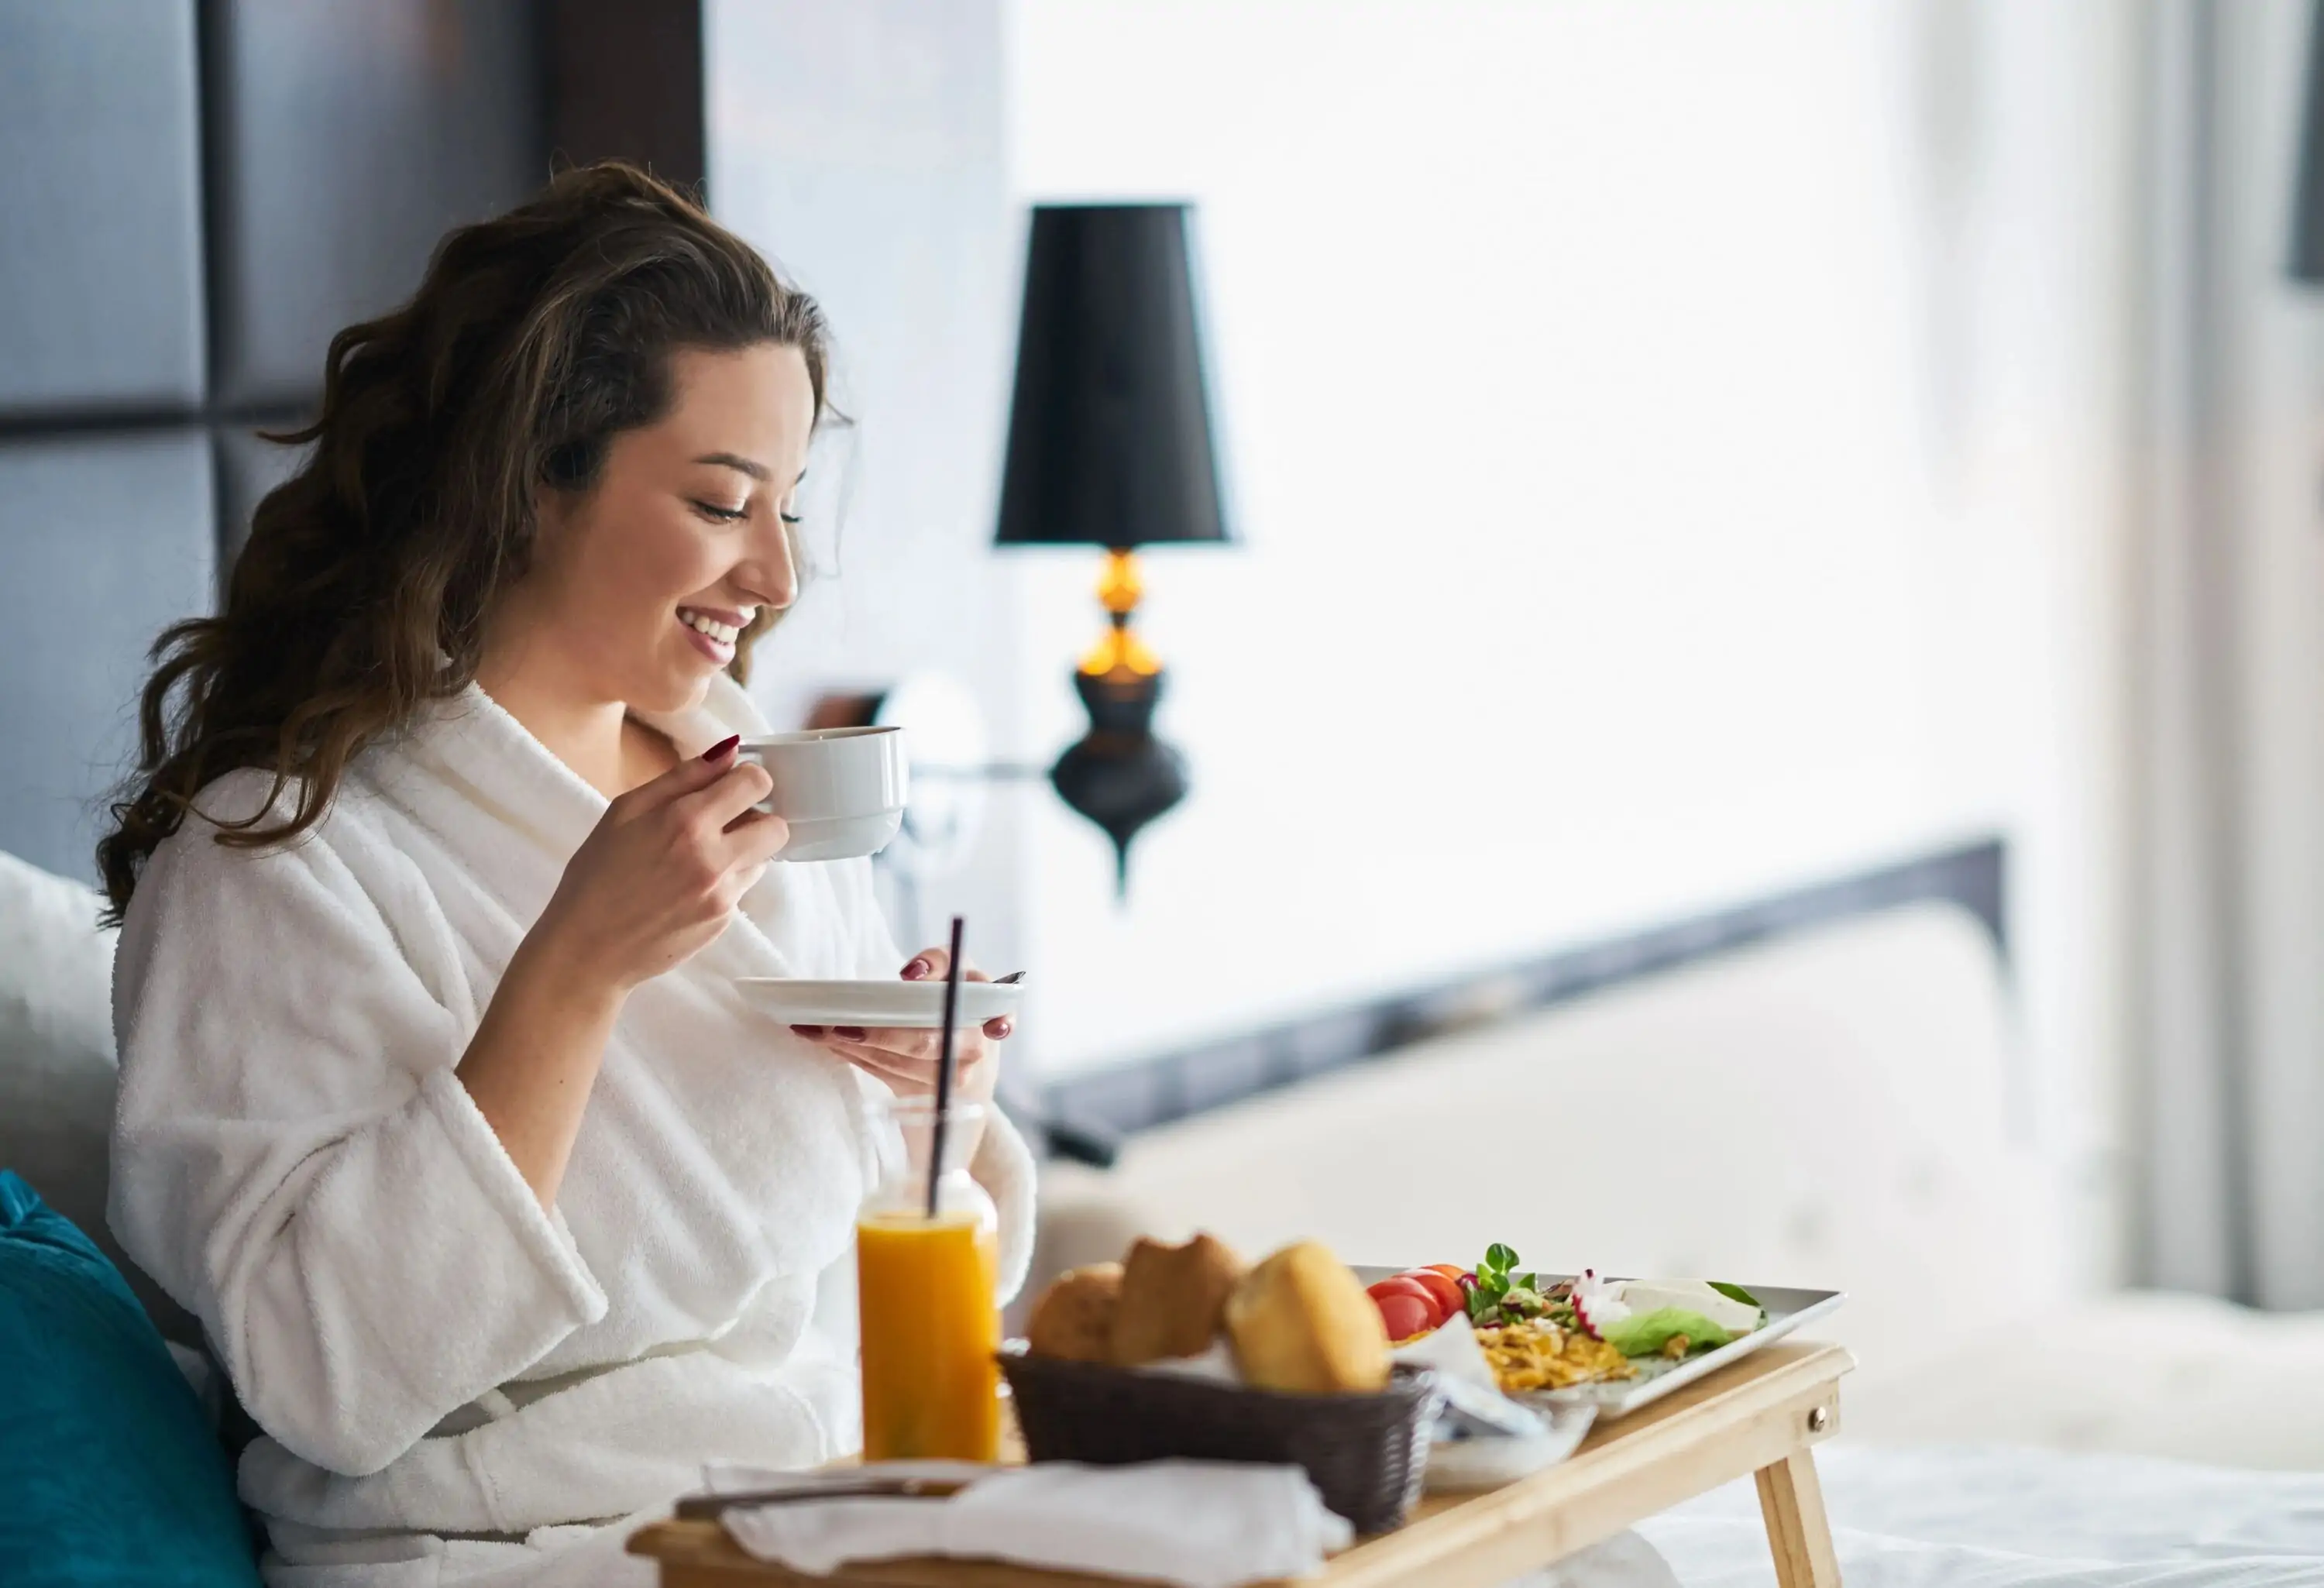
x=876 y=1002
x=1788 y=1309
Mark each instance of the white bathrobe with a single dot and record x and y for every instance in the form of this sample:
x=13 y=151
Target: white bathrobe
x=447 y=1378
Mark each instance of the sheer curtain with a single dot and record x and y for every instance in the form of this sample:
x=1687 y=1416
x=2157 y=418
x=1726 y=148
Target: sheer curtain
x=2228 y=865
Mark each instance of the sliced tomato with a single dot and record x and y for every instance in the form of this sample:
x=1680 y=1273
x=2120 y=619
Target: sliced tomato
x=1452 y=1272
x=1405 y=1316
x=1406 y=1286
x=1447 y=1292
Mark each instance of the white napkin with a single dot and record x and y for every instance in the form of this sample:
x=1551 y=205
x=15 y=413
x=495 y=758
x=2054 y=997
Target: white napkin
x=1195 y=1524
x=1451 y=1349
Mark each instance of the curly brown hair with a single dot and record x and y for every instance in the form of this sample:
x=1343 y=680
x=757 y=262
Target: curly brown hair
x=363 y=591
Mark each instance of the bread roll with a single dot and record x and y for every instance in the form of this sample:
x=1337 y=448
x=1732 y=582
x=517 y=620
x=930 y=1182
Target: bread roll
x=1301 y=1323
x=1174 y=1299
x=1074 y=1319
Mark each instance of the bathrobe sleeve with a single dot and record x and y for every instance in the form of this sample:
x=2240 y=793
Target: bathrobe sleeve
x=294 y=1160
x=1003 y=1165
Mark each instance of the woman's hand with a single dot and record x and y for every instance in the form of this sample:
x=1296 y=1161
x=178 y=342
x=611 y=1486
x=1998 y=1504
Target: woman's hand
x=657 y=879
x=905 y=1057
x=655 y=882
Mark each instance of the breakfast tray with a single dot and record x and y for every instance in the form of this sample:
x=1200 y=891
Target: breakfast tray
x=1761 y=1416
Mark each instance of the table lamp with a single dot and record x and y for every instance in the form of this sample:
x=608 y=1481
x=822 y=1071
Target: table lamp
x=1109 y=446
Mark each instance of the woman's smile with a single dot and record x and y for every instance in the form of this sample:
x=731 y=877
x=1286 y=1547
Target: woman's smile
x=714 y=630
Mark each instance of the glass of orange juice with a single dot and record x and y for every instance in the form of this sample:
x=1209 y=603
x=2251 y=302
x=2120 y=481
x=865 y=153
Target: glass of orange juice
x=924 y=1288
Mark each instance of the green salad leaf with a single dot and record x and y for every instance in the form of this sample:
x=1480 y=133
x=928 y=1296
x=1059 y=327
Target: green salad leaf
x=1523 y=1301
x=1645 y=1334
x=1736 y=1293
x=1500 y=1291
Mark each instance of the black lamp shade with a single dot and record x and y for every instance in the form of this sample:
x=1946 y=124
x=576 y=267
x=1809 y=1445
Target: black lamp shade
x=1110 y=433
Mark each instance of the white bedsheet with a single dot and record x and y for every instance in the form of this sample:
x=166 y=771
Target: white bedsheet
x=1968 y=1518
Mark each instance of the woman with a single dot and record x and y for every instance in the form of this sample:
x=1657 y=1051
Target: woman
x=439 y=1106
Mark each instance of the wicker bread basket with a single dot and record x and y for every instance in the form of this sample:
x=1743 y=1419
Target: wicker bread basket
x=1366 y=1453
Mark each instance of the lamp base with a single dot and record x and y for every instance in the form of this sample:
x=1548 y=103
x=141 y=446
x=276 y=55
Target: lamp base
x=1118 y=774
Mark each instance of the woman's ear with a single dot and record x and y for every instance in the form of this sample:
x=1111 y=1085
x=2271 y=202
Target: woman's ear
x=549 y=508
x=553 y=508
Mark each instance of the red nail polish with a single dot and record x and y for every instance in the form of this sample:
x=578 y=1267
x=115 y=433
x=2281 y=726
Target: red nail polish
x=918 y=969
x=808 y=1031
x=720 y=749
x=848 y=1033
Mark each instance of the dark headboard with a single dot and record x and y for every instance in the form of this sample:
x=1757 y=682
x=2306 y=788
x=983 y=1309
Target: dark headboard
x=197 y=194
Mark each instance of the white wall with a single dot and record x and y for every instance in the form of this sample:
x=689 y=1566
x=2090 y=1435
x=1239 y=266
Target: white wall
x=1678 y=448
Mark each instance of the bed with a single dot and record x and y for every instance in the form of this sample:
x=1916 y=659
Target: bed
x=1833 y=1106
x=2001 y=1517
x=1837 y=1106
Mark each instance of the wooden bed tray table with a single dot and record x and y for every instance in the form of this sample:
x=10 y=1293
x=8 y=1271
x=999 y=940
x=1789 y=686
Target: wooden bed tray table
x=1763 y=1417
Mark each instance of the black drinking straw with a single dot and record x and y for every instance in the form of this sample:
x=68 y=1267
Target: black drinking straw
x=944 y=1069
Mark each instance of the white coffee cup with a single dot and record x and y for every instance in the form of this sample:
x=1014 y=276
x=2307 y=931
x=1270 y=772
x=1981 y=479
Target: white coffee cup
x=841 y=790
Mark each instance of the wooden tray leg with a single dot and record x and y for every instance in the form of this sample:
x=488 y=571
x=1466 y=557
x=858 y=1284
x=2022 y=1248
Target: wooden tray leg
x=1792 y=1502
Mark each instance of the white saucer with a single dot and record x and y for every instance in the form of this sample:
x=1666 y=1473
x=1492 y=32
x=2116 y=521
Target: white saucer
x=877 y=1003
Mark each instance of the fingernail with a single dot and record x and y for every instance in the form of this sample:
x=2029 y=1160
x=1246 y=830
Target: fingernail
x=719 y=749
x=1000 y=1029
x=919 y=969
x=808 y=1031
x=848 y=1033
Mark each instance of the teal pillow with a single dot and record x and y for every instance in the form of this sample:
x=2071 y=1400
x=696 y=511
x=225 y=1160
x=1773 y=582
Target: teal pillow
x=109 y=1473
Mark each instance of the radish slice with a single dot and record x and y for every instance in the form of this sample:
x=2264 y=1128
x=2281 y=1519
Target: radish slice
x=1597 y=1303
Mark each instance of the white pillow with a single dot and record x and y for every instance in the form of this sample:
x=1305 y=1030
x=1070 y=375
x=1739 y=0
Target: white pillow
x=56 y=1066
x=56 y=973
